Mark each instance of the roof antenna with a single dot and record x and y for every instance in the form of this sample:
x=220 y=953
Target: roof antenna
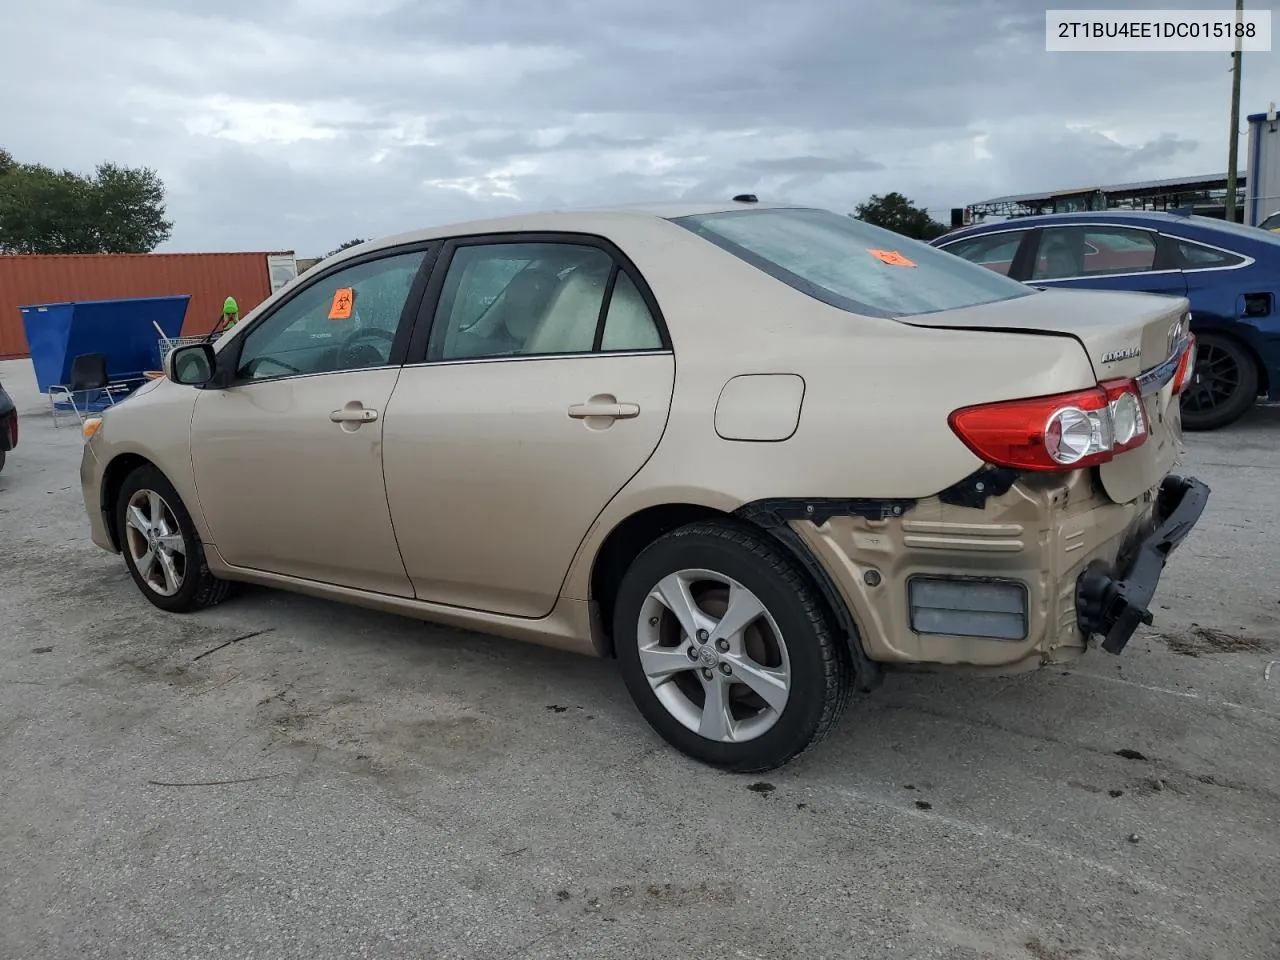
x=746 y=198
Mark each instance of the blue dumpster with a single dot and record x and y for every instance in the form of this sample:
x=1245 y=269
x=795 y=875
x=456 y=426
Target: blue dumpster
x=124 y=331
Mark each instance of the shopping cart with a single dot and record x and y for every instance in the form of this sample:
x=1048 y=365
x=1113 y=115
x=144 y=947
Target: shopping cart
x=169 y=344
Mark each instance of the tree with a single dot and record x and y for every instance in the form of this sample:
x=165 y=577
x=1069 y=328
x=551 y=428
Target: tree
x=895 y=212
x=117 y=210
x=349 y=243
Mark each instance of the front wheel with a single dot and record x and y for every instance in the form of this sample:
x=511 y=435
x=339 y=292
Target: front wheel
x=161 y=546
x=726 y=648
x=1224 y=384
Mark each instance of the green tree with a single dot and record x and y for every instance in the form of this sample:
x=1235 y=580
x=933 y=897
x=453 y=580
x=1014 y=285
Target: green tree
x=895 y=212
x=350 y=243
x=117 y=210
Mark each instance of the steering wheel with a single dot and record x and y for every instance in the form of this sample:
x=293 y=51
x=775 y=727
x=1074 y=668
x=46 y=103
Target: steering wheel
x=353 y=353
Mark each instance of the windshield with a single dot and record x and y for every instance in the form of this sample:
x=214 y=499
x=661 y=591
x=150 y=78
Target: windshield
x=851 y=264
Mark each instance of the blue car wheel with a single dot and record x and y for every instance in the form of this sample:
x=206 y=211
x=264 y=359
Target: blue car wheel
x=1223 y=386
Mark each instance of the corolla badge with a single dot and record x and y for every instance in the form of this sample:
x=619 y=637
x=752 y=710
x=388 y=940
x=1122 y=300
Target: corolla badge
x=1115 y=356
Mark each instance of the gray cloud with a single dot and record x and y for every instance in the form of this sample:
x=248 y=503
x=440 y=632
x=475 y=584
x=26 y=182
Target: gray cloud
x=814 y=165
x=301 y=124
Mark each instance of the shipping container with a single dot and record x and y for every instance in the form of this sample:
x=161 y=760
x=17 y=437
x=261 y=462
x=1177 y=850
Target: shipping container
x=208 y=278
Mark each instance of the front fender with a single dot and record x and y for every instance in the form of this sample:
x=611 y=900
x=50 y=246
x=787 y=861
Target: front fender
x=152 y=425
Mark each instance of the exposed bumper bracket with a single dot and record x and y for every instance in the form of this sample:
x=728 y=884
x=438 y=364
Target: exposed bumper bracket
x=1113 y=606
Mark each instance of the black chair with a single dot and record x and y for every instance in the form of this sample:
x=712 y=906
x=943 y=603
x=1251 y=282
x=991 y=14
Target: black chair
x=88 y=380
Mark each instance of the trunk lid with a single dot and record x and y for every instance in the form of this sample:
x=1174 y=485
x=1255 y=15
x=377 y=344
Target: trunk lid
x=1126 y=336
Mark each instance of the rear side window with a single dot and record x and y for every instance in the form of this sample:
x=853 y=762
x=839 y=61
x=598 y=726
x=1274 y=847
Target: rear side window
x=1194 y=256
x=851 y=264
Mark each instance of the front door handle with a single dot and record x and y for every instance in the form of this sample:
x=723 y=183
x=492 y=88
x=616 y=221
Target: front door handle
x=604 y=408
x=353 y=414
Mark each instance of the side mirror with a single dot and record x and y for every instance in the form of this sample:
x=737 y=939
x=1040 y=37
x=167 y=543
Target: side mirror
x=192 y=365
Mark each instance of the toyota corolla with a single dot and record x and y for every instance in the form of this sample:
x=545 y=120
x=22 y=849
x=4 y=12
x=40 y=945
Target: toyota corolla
x=754 y=453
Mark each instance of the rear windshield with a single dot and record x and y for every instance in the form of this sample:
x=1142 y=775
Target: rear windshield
x=1252 y=234
x=851 y=264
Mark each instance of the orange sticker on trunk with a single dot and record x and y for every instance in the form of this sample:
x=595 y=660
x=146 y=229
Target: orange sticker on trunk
x=340 y=309
x=891 y=257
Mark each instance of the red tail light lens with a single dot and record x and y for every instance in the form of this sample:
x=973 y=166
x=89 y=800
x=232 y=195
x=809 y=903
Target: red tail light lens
x=1066 y=431
x=1186 y=366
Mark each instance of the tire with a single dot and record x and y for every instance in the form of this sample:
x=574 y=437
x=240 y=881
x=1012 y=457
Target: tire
x=187 y=585
x=2 y=456
x=708 y=563
x=1224 y=385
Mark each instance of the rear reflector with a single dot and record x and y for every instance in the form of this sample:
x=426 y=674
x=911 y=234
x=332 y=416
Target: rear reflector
x=966 y=607
x=1067 y=431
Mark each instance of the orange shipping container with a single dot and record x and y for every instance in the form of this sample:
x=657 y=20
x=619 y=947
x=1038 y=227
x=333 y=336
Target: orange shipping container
x=208 y=278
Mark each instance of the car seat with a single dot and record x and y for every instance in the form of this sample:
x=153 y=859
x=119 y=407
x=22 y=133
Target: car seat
x=1060 y=260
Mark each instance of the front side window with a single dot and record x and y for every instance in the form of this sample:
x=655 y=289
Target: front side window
x=850 y=264
x=345 y=321
x=1093 y=252
x=994 y=251
x=537 y=299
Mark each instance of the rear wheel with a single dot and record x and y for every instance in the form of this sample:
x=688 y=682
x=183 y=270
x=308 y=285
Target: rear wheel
x=161 y=547
x=1224 y=384
x=726 y=648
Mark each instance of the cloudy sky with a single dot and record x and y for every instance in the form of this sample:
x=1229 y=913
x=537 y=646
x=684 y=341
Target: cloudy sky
x=297 y=124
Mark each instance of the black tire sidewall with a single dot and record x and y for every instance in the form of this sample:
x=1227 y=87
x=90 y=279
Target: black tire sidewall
x=808 y=649
x=149 y=478
x=1237 y=405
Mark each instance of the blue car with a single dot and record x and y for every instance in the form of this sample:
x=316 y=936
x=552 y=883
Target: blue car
x=1230 y=273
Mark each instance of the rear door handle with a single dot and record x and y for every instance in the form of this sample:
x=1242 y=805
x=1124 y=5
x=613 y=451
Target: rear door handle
x=611 y=411
x=354 y=415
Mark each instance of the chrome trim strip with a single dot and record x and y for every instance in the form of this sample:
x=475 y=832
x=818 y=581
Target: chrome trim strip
x=1154 y=380
x=656 y=352
x=461 y=361
x=252 y=381
x=1110 y=276
x=1247 y=260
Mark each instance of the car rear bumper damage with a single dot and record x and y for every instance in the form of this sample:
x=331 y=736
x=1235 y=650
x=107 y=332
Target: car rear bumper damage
x=1000 y=573
x=1112 y=601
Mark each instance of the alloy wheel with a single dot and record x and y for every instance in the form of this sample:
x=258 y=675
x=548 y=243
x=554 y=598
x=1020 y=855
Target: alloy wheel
x=155 y=543
x=714 y=656
x=1214 y=381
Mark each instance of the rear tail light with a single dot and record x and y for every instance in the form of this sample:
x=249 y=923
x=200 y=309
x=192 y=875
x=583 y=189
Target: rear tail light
x=1186 y=366
x=1067 y=431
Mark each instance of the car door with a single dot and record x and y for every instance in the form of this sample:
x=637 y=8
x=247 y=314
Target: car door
x=542 y=388
x=287 y=453
x=1105 y=257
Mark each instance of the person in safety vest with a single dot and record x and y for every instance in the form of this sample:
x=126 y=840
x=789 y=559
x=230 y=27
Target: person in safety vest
x=230 y=313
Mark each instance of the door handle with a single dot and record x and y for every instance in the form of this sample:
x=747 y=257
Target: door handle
x=611 y=411
x=354 y=415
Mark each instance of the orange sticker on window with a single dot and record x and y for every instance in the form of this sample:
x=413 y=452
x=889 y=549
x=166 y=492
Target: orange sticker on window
x=891 y=257
x=340 y=309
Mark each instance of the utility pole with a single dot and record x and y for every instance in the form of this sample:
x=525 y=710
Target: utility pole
x=1233 y=146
